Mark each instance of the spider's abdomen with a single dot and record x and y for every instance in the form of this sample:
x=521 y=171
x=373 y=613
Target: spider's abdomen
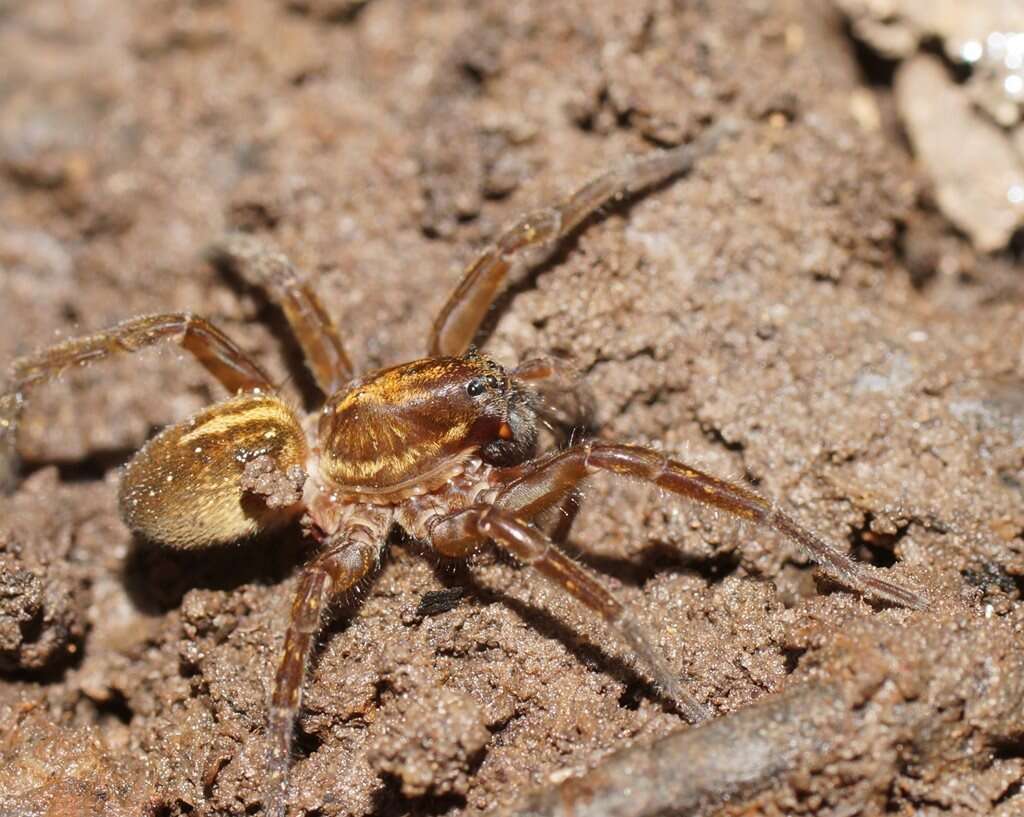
x=184 y=488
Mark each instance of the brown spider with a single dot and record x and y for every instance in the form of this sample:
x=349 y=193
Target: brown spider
x=442 y=446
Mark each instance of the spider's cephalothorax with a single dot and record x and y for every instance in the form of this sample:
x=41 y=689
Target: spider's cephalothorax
x=411 y=428
x=442 y=446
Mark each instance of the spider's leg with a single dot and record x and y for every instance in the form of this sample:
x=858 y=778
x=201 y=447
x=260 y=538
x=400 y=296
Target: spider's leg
x=264 y=266
x=458 y=533
x=333 y=572
x=462 y=314
x=214 y=350
x=544 y=484
x=565 y=405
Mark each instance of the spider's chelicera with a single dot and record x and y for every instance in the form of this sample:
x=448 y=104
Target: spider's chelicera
x=443 y=447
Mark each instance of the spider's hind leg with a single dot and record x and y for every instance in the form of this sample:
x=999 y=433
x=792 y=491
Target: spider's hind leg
x=262 y=265
x=214 y=350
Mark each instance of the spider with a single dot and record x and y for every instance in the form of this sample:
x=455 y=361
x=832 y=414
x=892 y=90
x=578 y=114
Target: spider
x=444 y=447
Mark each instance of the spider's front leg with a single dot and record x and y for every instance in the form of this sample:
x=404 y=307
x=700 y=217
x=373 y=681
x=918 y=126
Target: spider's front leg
x=349 y=556
x=457 y=534
x=464 y=311
x=263 y=266
x=543 y=484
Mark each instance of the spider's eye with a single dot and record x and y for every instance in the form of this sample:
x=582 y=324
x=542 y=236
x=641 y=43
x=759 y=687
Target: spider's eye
x=475 y=387
x=492 y=381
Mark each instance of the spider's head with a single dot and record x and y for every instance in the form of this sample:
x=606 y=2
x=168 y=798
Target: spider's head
x=413 y=425
x=506 y=411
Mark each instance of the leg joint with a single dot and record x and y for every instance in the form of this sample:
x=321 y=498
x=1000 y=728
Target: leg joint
x=627 y=460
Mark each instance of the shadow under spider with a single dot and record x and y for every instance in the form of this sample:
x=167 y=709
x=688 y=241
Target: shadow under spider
x=157 y=578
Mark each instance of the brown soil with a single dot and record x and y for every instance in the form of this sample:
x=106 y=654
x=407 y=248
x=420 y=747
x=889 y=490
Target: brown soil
x=775 y=317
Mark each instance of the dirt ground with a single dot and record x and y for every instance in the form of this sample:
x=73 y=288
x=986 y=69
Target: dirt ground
x=794 y=313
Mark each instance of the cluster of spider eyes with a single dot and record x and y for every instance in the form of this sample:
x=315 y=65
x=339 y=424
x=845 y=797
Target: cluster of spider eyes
x=478 y=385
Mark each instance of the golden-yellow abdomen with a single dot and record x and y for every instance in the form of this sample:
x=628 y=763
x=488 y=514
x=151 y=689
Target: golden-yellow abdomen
x=184 y=488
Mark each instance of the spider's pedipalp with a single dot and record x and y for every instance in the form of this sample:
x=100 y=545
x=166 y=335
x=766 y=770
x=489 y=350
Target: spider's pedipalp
x=565 y=404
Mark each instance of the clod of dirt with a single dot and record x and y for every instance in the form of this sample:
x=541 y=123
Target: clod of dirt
x=52 y=771
x=42 y=598
x=276 y=488
x=437 y=759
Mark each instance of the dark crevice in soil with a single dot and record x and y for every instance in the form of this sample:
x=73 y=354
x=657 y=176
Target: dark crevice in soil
x=715 y=436
x=876 y=70
x=634 y=693
x=1012 y=791
x=381 y=688
x=989 y=574
x=389 y=800
x=874 y=547
x=336 y=13
x=1009 y=747
x=718 y=568
x=116 y=707
x=305 y=744
x=588 y=121
x=791 y=658
x=960 y=72
x=1015 y=251
x=56 y=672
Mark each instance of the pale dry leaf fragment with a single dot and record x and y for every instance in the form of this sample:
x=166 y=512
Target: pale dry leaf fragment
x=978 y=178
